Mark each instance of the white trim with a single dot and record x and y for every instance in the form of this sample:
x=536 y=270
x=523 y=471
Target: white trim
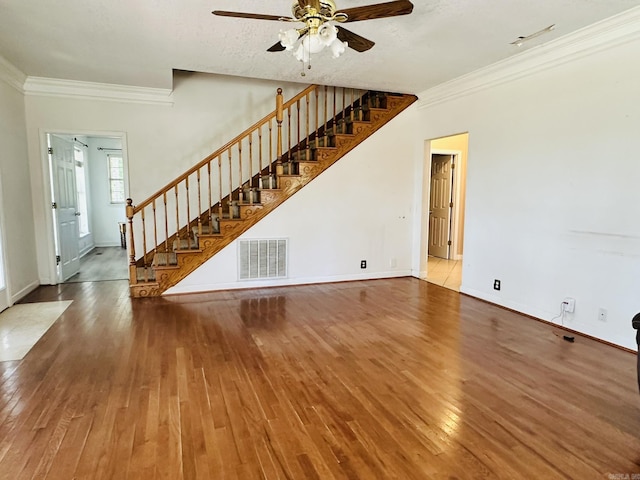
x=423 y=191
x=496 y=299
x=52 y=87
x=24 y=292
x=4 y=264
x=11 y=75
x=616 y=30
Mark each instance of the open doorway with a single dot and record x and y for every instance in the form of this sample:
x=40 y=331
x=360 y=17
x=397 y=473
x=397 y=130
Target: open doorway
x=444 y=184
x=89 y=185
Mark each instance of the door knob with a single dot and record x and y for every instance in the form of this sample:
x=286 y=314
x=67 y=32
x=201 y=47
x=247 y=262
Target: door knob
x=77 y=214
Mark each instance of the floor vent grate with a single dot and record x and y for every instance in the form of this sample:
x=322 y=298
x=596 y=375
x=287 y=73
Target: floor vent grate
x=259 y=259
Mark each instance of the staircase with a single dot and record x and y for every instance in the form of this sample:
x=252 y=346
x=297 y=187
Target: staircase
x=208 y=207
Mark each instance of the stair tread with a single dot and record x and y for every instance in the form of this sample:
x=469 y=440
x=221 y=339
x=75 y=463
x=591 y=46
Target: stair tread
x=206 y=230
x=185 y=244
x=150 y=275
x=211 y=235
x=164 y=259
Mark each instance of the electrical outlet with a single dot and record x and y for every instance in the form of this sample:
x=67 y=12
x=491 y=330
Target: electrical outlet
x=602 y=314
x=496 y=284
x=569 y=305
x=363 y=264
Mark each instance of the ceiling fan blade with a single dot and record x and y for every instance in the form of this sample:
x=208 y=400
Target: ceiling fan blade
x=355 y=41
x=276 y=48
x=379 y=10
x=255 y=16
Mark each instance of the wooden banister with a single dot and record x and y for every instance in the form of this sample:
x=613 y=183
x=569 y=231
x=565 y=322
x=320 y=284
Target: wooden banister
x=228 y=145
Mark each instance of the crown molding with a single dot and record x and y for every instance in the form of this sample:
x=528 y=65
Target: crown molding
x=11 y=75
x=53 y=87
x=608 y=33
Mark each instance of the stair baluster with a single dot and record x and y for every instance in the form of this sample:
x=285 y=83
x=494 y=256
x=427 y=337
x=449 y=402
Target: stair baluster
x=220 y=193
x=250 y=168
x=230 y=183
x=279 y=117
x=132 y=245
x=240 y=192
x=155 y=236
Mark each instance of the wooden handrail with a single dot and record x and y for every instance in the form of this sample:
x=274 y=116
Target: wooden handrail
x=218 y=152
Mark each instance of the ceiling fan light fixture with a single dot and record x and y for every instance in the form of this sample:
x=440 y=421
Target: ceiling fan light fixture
x=338 y=48
x=288 y=38
x=327 y=34
x=315 y=40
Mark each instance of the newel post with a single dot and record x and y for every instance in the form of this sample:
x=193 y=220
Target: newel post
x=279 y=117
x=132 y=249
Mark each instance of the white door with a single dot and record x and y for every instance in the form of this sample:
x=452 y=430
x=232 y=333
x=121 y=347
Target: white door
x=440 y=205
x=66 y=205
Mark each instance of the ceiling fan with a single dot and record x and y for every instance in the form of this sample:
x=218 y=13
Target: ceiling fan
x=318 y=33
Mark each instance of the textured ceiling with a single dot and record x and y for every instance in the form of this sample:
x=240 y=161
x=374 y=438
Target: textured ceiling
x=140 y=42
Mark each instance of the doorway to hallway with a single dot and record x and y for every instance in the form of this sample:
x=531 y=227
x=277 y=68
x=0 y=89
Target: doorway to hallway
x=88 y=186
x=444 y=182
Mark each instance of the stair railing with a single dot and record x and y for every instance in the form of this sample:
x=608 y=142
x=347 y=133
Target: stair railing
x=235 y=174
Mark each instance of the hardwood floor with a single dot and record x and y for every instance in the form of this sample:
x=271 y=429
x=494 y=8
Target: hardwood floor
x=364 y=380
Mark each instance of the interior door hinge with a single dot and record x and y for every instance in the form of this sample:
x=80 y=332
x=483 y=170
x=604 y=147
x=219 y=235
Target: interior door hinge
x=50 y=150
x=449 y=243
x=58 y=259
x=54 y=205
x=450 y=204
x=453 y=166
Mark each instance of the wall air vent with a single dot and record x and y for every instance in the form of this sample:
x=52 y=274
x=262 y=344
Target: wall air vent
x=258 y=259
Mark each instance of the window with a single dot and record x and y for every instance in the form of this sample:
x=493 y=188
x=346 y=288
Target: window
x=81 y=189
x=116 y=178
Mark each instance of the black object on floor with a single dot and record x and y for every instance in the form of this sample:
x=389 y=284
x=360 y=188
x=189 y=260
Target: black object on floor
x=635 y=323
x=568 y=338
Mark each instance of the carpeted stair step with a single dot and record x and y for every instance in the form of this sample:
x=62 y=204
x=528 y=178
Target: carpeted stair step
x=207 y=230
x=185 y=244
x=268 y=182
x=304 y=155
x=165 y=259
x=250 y=196
x=145 y=274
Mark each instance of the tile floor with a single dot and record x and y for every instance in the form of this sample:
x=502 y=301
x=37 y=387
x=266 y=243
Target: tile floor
x=103 y=263
x=22 y=325
x=446 y=273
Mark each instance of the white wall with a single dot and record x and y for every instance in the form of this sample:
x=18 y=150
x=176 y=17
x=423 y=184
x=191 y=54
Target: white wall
x=358 y=209
x=17 y=215
x=553 y=204
x=104 y=214
x=162 y=141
